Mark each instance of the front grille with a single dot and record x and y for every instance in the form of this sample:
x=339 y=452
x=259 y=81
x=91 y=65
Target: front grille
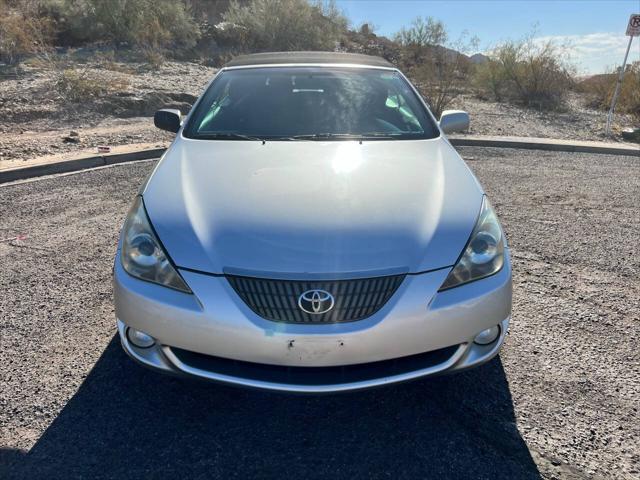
x=314 y=375
x=277 y=300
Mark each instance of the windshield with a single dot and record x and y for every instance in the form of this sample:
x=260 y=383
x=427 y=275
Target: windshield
x=285 y=103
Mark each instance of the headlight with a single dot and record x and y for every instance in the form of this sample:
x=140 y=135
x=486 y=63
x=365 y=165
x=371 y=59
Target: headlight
x=484 y=253
x=142 y=254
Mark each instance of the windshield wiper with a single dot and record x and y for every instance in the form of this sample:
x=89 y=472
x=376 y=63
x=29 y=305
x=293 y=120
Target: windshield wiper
x=230 y=136
x=352 y=136
x=310 y=136
x=320 y=136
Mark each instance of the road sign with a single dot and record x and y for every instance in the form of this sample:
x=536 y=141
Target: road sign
x=633 y=29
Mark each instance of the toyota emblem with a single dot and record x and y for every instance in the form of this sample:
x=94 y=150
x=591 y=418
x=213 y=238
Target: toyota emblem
x=316 y=302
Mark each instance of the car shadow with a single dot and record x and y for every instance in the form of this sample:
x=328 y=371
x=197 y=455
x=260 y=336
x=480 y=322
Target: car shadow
x=128 y=422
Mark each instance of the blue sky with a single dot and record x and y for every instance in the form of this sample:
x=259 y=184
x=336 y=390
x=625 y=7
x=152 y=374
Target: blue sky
x=594 y=28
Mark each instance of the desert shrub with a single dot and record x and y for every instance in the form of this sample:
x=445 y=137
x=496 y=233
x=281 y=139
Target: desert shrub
x=629 y=99
x=151 y=24
x=526 y=72
x=153 y=57
x=491 y=79
x=210 y=11
x=22 y=32
x=108 y=60
x=79 y=85
x=436 y=65
x=599 y=90
x=261 y=25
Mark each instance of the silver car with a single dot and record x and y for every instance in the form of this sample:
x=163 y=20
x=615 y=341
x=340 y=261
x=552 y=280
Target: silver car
x=311 y=229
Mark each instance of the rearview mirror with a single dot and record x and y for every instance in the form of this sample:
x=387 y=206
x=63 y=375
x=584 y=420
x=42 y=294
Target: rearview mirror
x=168 y=119
x=454 y=121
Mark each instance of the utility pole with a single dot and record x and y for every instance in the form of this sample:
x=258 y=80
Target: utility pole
x=633 y=30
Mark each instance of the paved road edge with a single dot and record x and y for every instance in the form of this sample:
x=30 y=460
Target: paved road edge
x=76 y=164
x=504 y=142
x=547 y=144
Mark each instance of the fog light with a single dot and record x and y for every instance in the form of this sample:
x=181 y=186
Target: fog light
x=140 y=339
x=487 y=336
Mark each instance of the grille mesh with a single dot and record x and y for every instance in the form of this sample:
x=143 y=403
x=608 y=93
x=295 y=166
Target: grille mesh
x=277 y=300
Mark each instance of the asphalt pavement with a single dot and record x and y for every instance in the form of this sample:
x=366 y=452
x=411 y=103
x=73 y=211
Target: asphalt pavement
x=561 y=401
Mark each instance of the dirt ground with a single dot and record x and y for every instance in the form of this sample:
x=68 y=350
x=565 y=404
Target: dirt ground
x=37 y=116
x=576 y=122
x=37 y=120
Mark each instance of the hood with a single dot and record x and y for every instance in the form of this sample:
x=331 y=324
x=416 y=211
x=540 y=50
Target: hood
x=312 y=209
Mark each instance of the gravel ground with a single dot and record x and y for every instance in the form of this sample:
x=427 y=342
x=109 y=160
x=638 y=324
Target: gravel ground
x=561 y=401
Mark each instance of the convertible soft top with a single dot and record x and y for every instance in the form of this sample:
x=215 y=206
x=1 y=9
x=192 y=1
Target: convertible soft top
x=273 y=58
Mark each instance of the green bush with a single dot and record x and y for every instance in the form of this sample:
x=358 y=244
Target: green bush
x=154 y=24
x=526 y=72
x=284 y=25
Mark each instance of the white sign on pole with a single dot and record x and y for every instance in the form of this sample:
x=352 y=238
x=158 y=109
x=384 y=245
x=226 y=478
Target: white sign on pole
x=633 y=29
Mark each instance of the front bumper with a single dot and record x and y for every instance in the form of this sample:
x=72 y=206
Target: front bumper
x=215 y=326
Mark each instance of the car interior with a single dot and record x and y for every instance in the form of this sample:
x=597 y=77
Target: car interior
x=285 y=104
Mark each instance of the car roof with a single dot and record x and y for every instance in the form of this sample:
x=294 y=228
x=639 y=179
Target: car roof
x=274 y=58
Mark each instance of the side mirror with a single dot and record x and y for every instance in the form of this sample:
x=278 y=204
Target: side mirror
x=168 y=119
x=454 y=121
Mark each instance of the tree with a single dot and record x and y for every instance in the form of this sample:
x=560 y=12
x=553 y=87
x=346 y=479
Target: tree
x=437 y=66
x=422 y=33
